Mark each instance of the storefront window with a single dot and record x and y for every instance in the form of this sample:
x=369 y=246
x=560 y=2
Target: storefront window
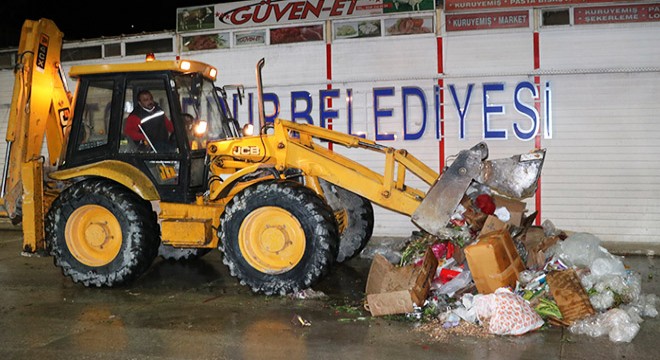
x=556 y=17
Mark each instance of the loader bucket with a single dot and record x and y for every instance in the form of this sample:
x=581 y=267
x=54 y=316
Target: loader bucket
x=516 y=177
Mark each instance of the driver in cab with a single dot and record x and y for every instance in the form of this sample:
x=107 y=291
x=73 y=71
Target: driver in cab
x=148 y=126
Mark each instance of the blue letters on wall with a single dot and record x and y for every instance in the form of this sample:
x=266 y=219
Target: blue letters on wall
x=525 y=123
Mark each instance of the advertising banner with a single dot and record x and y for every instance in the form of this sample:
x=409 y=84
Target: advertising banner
x=245 y=14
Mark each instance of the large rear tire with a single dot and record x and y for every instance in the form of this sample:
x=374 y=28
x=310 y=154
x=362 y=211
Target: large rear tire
x=355 y=216
x=278 y=237
x=102 y=234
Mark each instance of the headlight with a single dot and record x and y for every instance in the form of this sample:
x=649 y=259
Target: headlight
x=200 y=128
x=248 y=130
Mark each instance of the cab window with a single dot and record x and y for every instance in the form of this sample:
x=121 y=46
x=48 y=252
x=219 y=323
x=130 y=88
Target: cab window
x=93 y=131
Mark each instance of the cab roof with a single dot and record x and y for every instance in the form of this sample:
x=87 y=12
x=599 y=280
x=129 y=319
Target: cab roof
x=182 y=66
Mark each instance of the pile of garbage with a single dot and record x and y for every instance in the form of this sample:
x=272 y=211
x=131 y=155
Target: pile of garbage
x=500 y=272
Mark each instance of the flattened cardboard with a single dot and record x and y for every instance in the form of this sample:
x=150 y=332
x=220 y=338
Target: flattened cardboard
x=570 y=296
x=393 y=290
x=395 y=302
x=494 y=261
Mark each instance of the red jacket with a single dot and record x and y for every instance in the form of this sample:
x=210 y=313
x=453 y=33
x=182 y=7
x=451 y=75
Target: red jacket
x=132 y=130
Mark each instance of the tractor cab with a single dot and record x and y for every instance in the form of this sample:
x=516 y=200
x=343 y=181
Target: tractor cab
x=164 y=138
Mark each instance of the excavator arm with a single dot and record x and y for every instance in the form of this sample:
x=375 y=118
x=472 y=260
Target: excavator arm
x=41 y=107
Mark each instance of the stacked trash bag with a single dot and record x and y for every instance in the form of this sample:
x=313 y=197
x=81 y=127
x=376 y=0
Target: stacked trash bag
x=513 y=277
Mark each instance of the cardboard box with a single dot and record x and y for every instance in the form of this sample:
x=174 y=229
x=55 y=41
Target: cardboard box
x=492 y=224
x=533 y=237
x=516 y=208
x=494 y=261
x=570 y=296
x=537 y=244
x=393 y=290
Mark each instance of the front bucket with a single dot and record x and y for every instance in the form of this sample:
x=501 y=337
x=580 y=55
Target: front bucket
x=516 y=177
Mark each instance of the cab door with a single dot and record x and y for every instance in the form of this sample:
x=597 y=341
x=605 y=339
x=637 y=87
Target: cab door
x=99 y=124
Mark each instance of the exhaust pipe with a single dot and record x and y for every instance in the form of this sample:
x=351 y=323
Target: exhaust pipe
x=260 y=94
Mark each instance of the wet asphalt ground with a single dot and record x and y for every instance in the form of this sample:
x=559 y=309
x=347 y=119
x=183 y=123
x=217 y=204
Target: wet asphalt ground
x=196 y=310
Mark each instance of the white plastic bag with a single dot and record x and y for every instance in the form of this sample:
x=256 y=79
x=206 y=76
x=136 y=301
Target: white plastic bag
x=580 y=249
x=584 y=250
x=616 y=323
x=507 y=313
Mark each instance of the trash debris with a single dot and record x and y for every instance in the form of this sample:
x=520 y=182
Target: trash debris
x=438 y=332
x=394 y=290
x=485 y=203
x=548 y=309
x=498 y=274
x=570 y=297
x=613 y=290
x=584 y=250
x=494 y=261
x=390 y=249
x=507 y=313
x=616 y=323
x=299 y=321
x=307 y=294
x=459 y=282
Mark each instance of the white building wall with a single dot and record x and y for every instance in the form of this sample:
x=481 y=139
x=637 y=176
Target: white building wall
x=601 y=174
x=601 y=46
x=396 y=62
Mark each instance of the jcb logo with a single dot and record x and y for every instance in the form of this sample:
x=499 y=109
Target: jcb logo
x=42 y=51
x=246 y=150
x=167 y=172
x=64 y=115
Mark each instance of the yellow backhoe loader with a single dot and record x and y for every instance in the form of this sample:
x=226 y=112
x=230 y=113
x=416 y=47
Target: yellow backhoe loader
x=279 y=204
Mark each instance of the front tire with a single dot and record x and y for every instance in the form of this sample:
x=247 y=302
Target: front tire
x=101 y=234
x=278 y=237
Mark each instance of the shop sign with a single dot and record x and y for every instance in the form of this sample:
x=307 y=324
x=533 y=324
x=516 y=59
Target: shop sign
x=257 y=37
x=616 y=14
x=492 y=20
x=469 y=5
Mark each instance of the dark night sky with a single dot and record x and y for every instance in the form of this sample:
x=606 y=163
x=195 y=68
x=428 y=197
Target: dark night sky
x=91 y=19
